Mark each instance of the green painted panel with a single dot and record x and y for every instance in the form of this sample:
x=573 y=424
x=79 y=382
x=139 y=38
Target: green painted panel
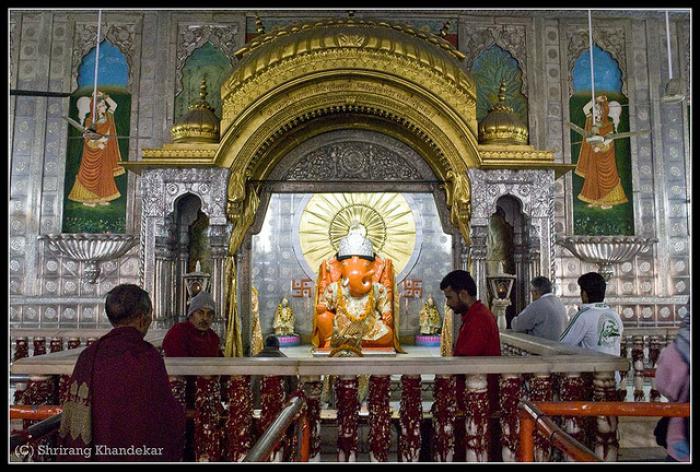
x=206 y=62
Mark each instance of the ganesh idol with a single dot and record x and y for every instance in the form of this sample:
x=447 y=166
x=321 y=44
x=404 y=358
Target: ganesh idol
x=355 y=298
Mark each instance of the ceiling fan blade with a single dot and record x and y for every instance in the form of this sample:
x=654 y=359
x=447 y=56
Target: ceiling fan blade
x=74 y=123
x=117 y=137
x=627 y=134
x=577 y=129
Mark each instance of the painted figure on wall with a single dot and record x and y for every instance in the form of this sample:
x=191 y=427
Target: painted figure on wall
x=602 y=187
x=602 y=181
x=95 y=188
x=100 y=162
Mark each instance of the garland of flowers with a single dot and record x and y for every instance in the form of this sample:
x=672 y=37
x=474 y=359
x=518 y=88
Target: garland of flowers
x=178 y=385
x=64 y=380
x=572 y=389
x=239 y=426
x=379 y=418
x=410 y=415
x=606 y=426
x=272 y=398
x=443 y=409
x=342 y=306
x=348 y=408
x=208 y=410
x=476 y=413
x=541 y=391
x=314 y=389
x=510 y=394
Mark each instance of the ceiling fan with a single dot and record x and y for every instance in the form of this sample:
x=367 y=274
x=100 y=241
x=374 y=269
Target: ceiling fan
x=91 y=131
x=614 y=109
x=673 y=86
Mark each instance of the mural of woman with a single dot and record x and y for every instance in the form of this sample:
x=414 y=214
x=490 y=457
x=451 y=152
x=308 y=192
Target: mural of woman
x=100 y=161
x=597 y=165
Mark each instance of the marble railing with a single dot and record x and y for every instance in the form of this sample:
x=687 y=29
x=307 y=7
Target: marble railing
x=548 y=372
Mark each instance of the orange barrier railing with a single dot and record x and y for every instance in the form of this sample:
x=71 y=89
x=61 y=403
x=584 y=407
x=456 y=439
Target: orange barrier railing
x=33 y=412
x=532 y=419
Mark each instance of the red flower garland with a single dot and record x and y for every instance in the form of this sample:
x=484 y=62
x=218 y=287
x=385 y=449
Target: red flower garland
x=272 y=397
x=573 y=389
x=348 y=408
x=541 y=391
x=443 y=410
x=379 y=418
x=313 y=413
x=208 y=409
x=410 y=415
x=239 y=427
x=510 y=388
x=178 y=385
x=606 y=442
x=477 y=417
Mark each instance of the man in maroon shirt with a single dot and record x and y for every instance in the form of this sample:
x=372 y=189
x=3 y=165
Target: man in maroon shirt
x=478 y=336
x=120 y=407
x=194 y=338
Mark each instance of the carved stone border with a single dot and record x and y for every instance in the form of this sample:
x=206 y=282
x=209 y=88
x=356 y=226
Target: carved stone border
x=120 y=35
x=534 y=189
x=160 y=189
x=193 y=36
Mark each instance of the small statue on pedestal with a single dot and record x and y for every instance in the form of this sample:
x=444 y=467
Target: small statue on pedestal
x=430 y=323
x=283 y=324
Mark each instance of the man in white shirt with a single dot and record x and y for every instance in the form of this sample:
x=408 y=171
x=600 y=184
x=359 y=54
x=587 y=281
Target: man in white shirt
x=595 y=326
x=545 y=316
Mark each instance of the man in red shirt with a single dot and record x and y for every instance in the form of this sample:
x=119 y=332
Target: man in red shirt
x=194 y=338
x=478 y=336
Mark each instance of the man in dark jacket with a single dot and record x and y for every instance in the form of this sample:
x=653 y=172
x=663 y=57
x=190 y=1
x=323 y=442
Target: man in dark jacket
x=120 y=407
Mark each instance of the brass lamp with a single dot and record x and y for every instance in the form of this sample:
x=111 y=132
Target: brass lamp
x=196 y=281
x=500 y=286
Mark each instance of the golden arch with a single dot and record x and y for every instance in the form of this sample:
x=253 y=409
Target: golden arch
x=293 y=84
x=296 y=83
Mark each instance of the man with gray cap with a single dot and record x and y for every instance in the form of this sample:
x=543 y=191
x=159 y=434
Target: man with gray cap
x=194 y=337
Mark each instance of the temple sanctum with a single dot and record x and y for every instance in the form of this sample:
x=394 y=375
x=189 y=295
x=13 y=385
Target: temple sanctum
x=319 y=172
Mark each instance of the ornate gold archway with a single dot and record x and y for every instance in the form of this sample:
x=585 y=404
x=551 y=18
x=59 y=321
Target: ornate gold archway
x=298 y=82
x=295 y=83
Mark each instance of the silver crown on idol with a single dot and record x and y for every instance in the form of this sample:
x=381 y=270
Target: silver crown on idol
x=356 y=244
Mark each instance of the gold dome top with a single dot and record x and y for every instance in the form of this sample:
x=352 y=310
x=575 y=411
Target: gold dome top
x=502 y=125
x=200 y=124
x=269 y=49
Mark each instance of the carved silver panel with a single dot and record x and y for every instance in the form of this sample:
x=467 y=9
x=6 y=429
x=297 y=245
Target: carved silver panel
x=534 y=189
x=160 y=189
x=353 y=154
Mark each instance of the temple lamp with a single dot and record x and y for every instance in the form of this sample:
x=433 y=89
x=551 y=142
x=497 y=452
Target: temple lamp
x=196 y=281
x=500 y=286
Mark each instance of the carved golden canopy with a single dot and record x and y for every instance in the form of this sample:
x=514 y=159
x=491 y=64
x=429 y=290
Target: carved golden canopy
x=297 y=82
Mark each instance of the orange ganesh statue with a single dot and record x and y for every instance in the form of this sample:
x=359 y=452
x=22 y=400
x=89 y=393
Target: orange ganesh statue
x=355 y=298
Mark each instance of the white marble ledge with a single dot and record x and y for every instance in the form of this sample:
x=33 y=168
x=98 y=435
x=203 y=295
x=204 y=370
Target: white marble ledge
x=51 y=364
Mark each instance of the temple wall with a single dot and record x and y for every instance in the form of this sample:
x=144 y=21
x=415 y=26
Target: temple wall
x=46 y=47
